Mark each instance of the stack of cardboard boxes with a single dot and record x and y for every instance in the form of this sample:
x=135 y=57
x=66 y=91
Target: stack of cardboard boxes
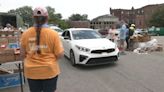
x=141 y=38
x=149 y=44
x=9 y=45
x=9 y=58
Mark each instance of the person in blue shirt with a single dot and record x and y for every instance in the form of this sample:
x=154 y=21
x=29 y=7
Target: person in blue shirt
x=122 y=36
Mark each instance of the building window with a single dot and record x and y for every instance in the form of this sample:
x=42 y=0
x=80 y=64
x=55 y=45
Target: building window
x=138 y=12
x=142 y=11
x=122 y=12
x=133 y=12
x=92 y=27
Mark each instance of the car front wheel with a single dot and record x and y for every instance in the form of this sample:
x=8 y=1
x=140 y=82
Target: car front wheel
x=72 y=58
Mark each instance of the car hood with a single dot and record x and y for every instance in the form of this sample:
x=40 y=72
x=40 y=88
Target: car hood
x=95 y=43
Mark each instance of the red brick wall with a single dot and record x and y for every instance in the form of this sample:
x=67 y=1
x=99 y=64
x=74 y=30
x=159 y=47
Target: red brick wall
x=139 y=16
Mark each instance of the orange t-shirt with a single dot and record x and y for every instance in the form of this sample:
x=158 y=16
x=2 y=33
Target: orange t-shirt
x=44 y=65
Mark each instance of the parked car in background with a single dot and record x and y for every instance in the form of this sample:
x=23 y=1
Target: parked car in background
x=87 y=47
x=103 y=32
x=56 y=28
x=138 y=31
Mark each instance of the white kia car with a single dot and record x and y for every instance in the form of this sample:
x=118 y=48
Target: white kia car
x=86 y=46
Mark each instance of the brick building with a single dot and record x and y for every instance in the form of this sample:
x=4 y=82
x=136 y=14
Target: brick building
x=140 y=17
x=79 y=24
x=103 y=22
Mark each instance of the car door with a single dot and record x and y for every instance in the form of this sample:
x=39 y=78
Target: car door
x=66 y=40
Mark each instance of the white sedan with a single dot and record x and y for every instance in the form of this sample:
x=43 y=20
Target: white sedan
x=86 y=46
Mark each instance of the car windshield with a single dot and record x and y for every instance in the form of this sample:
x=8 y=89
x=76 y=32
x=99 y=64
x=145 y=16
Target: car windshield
x=85 y=34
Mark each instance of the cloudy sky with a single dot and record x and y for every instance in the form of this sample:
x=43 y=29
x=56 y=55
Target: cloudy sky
x=93 y=8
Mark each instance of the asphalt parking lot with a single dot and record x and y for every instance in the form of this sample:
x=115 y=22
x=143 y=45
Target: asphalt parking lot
x=132 y=73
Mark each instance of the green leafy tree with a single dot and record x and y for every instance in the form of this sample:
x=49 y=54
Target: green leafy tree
x=157 y=18
x=53 y=18
x=25 y=12
x=78 y=17
x=51 y=14
x=56 y=18
x=63 y=24
x=85 y=17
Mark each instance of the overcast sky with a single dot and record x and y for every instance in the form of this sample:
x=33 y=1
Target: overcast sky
x=93 y=8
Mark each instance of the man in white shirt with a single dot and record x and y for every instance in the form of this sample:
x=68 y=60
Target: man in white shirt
x=8 y=27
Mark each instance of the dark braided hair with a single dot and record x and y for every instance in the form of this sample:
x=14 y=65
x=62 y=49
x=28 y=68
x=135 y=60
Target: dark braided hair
x=39 y=21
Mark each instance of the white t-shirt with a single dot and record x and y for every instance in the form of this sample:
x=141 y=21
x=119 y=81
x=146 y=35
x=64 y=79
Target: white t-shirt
x=7 y=29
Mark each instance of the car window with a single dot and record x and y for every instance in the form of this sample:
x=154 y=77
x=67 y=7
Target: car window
x=64 y=33
x=85 y=34
x=68 y=34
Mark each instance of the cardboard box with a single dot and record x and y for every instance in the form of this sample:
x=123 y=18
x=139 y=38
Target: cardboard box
x=3 y=40
x=159 y=47
x=18 y=57
x=3 y=33
x=146 y=38
x=12 y=40
x=141 y=38
x=11 y=33
x=7 y=55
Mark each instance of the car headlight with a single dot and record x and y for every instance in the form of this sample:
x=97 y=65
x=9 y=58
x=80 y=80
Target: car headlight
x=82 y=48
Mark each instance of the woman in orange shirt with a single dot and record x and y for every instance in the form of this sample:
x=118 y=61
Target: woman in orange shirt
x=43 y=48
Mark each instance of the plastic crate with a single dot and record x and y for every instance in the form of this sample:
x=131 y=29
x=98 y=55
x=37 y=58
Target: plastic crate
x=10 y=80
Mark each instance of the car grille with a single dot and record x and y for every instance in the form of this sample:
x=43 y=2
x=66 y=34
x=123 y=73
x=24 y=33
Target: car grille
x=102 y=51
x=102 y=60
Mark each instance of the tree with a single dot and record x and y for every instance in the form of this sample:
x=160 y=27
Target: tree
x=25 y=12
x=63 y=24
x=54 y=18
x=85 y=17
x=78 y=17
x=58 y=15
x=157 y=18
